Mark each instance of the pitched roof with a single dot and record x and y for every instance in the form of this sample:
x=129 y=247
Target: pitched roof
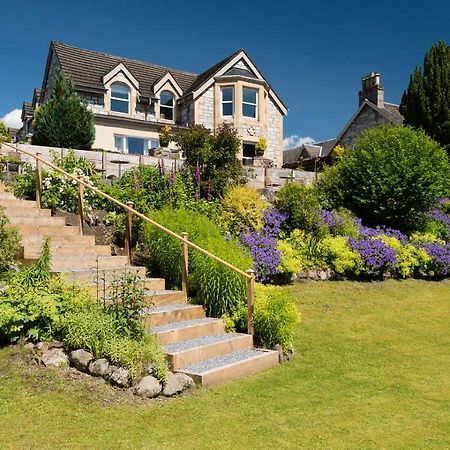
x=327 y=147
x=291 y=156
x=87 y=68
x=27 y=109
x=394 y=113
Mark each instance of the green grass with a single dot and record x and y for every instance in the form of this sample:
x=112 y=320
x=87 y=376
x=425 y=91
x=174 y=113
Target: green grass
x=372 y=371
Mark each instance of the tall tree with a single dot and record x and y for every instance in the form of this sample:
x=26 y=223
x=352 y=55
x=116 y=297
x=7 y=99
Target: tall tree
x=426 y=102
x=64 y=120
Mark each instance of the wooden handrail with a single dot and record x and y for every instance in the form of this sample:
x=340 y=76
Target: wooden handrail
x=249 y=275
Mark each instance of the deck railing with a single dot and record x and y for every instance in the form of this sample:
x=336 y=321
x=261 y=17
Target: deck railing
x=185 y=243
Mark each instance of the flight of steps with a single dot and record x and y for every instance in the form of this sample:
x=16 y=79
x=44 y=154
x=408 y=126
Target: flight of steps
x=194 y=344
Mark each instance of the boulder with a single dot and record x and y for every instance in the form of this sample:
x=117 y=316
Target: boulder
x=120 y=377
x=101 y=368
x=80 y=359
x=148 y=387
x=177 y=383
x=41 y=346
x=55 y=357
x=29 y=346
x=151 y=368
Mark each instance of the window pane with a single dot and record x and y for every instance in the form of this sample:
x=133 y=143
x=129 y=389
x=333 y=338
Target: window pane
x=227 y=109
x=119 y=91
x=136 y=146
x=249 y=110
x=167 y=112
x=227 y=94
x=249 y=96
x=153 y=143
x=119 y=106
x=166 y=98
x=118 y=143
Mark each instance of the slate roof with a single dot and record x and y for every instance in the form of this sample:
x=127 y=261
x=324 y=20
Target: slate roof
x=394 y=113
x=27 y=109
x=87 y=68
x=327 y=146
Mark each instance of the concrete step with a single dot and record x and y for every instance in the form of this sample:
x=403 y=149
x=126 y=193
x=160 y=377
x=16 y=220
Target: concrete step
x=146 y=283
x=18 y=211
x=36 y=219
x=73 y=262
x=160 y=297
x=230 y=366
x=186 y=330
x=186 y=353
x=47 y=230
x=4 y=195
x=160 y=315
x=32 y=251
x=37 y=239
x=90 y=276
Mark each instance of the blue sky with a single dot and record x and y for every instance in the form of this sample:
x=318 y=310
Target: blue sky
x=312 y=52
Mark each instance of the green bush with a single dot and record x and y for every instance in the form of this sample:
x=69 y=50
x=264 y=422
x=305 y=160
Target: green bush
x=337 y=254
x=219 y=289
x=302 y=204
x=242 y=208
x=9 y=242
x=275 y=317
x=4 y=135
x=390 y=177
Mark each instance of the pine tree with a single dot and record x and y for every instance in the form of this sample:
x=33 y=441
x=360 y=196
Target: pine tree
x=426 y=102
x=64 y=120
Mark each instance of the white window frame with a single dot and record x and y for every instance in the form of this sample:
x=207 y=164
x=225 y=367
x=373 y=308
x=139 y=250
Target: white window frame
x=127 y=100
x=251 y=104
x=222 y=101
x=165 y=106
x=125 y=149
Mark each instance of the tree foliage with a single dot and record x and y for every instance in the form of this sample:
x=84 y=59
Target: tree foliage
x=212 y=158
x=4 y=135
x=392 y=176
x=426 y=102
x=64 y=120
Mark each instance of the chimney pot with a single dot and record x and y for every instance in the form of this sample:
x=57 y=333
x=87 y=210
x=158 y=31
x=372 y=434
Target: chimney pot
x=372 y=90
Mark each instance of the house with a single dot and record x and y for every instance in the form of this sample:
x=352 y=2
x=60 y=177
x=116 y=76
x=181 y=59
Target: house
x=372 y=110
x=28 y=109
x=132 y=100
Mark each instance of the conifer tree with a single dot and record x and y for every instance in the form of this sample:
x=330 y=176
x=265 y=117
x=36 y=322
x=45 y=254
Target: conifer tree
x=64 y=120
x=426 y=102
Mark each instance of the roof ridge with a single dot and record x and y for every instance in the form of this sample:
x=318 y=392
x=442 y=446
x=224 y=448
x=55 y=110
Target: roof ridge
x=124 y=58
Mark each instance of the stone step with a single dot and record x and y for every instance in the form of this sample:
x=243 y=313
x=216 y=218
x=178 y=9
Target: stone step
x=4 y=195
x=32 y=251
x=92 y=275
x=160 y=315
x=47 y=230
x=186 y=330
x=230 y=366
x=18 y=211
x=151 y=284
x=19 y=203
x=186 y=353
x=164 y=297
x=36 y=219
x=73 y=262
x=38 y=239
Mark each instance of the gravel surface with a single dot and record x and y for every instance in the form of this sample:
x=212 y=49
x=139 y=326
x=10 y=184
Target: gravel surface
x=164 y=308
x=199 y=342
x=182 y=324
x=220 y=361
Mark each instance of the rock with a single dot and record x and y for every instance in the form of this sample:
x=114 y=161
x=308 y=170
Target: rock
x=323 y=275
x=151 y=368
x=55 y=344
x=120 y=377
x=41 y=346
x=177 y=383
x=55 y=357
x=278 y=348
x=29 y=346
x=148 y=387
x=101 y=368
x=80 y=359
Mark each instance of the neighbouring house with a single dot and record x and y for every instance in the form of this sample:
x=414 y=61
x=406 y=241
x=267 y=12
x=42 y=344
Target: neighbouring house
x=372 y=111
x=28 y=108
x=13 y=133
x=132 y=100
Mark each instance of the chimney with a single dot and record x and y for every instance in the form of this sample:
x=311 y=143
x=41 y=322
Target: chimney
x=372 y=90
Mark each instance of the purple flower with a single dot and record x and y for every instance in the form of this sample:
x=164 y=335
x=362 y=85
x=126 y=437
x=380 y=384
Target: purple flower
x=368 y=232
x=208 y=194
x=378 y=258
x=162 y=167
x=441 y=257
x=272 y=220
x=198 y=174
x=172 y=176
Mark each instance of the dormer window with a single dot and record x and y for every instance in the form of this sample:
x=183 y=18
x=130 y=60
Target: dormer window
x=120 y=98
x=249 y=102
x=227 y=93
x=167 y=105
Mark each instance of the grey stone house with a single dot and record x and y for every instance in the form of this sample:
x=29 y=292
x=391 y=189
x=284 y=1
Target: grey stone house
x=132 y=100
x=372 y=110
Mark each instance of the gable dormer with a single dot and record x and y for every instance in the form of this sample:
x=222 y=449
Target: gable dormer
x=241 y=69
x=167 y=91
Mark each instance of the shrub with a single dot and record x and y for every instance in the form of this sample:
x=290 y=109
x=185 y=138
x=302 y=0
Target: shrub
x=337 y=254
x=390 y=177
x=243 y=208
x=4 y=135
x=9 y=242
x=219 y=289
x=302 y=206
x=340 y=222
x=440 y=258
x=292 y=261
x=275 y=317
x=307 y=248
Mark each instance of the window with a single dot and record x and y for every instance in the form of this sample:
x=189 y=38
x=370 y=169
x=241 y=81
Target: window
x=227 y=101
x=249 y=102
x=167 y=105
x=134 y=145
x=120 y=98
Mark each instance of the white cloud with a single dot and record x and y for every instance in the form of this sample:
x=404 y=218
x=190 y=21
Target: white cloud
x=12 y=119
x=295 y=140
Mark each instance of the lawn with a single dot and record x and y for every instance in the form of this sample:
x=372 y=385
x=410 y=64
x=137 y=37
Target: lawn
x=372 y=371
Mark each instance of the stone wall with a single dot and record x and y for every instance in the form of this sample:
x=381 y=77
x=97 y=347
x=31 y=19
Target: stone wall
x=274 y=124
x=205 y=109
x=367 y=118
